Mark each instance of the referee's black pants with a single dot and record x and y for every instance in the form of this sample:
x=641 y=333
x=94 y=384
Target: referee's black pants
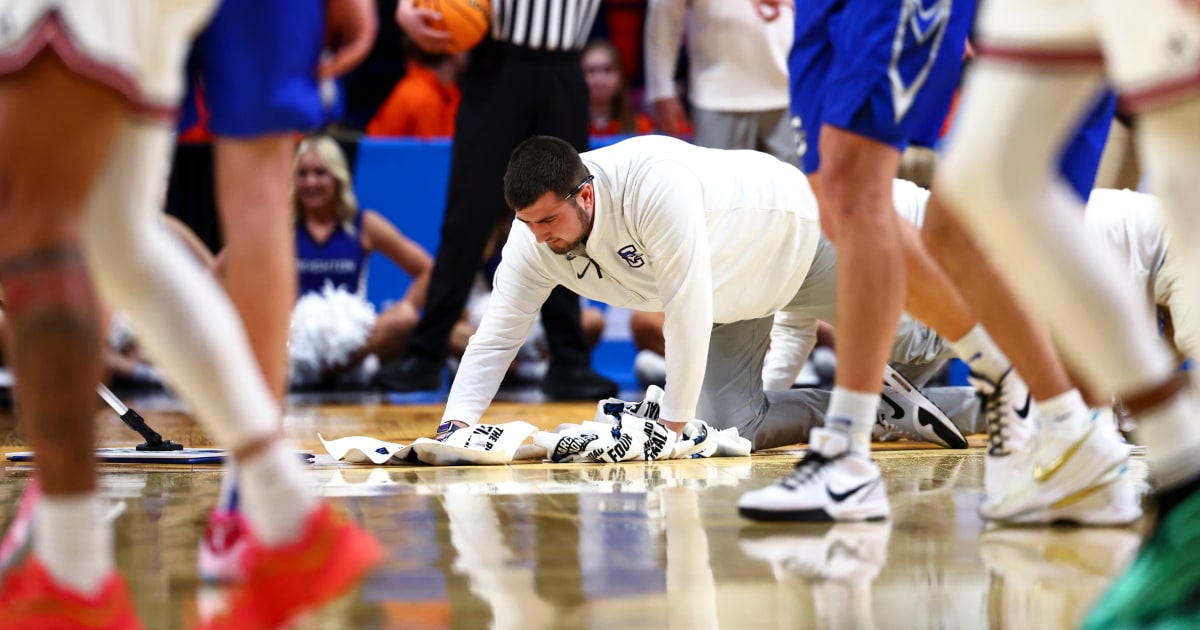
x=508 y=94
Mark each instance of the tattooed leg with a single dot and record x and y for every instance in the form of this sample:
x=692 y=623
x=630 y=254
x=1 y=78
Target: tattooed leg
x=57 y=130
x=55 y=355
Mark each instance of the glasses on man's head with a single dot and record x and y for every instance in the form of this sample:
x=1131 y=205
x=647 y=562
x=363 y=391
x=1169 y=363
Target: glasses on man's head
x=586 y=180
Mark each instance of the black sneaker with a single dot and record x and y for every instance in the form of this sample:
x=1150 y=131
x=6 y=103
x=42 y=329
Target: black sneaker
x=411 y=373
x=579 y=383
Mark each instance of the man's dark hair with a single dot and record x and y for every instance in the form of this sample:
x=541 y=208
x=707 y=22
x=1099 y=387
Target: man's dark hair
x=540 y=165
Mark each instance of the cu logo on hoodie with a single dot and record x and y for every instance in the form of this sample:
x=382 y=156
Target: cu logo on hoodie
x=631 y=256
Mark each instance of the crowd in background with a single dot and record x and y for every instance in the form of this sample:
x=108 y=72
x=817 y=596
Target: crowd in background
x=402 y=91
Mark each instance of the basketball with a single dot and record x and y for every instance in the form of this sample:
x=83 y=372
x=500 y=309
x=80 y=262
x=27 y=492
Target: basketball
x=466 y=20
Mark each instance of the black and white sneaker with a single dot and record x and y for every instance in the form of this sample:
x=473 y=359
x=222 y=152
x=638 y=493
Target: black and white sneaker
x=905 y=411
x=831 y=483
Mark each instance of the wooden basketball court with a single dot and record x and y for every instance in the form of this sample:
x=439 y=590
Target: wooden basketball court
x=635 y=545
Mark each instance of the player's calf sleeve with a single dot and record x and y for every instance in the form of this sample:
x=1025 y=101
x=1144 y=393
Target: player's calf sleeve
x=1000 y=176
x=181 y=316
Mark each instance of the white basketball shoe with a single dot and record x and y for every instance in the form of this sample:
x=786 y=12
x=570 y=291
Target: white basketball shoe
x=1076 y=472
x=831 y=483
x=1010 y=412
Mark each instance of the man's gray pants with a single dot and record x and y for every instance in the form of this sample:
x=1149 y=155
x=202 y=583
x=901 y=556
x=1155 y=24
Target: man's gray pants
x=733 y=396
x=769 y=131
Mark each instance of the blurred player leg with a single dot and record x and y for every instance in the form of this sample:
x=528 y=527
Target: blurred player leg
x=1011 y=418
x=1000 y=176
x=865 y=77
x=57 y=128
x=139 y=266
x=257 y=62
x=258 y=65
x=1148 y=57
x=253 y=178
x=854 y=189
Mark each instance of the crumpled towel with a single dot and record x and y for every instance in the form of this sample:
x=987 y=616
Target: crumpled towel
x=638 y=439
x=623 y=431
x=481 y=444
x=620 y=431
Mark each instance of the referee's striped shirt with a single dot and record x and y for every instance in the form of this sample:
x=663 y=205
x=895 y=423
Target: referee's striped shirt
x=544 y=24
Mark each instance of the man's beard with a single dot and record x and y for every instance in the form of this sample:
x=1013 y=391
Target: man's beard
x=564 y=249
x=576 y=244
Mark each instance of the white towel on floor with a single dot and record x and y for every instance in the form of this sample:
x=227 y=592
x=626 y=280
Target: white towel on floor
x=638 y=439
x=632 y=439
x=485 y=444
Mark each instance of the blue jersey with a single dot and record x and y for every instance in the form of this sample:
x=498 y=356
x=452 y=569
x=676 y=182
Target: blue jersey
x=882 y=69
x=341 y=259
x=887 y=70
x=256 y=65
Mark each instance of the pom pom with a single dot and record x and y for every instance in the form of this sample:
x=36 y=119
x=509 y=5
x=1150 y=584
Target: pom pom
x=327 y=328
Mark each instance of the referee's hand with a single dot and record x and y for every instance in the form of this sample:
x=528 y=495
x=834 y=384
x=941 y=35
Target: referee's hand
x=420 y=26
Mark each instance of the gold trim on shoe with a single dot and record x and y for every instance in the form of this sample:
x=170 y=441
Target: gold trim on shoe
x=1042 y=475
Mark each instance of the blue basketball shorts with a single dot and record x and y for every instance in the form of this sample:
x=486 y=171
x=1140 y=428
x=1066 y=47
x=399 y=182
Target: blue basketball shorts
x=256 y=65
x=882 y=69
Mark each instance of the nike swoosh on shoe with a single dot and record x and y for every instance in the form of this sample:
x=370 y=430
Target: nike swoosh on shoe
x=842 y=496
x=948 y=435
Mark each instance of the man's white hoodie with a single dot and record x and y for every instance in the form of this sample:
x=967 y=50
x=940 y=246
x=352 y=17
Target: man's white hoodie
x=707 y=236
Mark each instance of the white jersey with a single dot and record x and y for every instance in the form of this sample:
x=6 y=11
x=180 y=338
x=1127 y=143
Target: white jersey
x=137 y=47
x=737 y=62
x=704 y=235
x=1131 y=222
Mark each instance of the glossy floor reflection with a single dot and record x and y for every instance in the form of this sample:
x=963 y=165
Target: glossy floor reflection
x=634 y=545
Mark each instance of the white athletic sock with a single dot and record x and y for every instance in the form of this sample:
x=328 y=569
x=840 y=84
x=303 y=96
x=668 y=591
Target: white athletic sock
x=1171 y=433
x=981 y=354
x=184 y=320
x=273 y=494
x=1066 y=412
x=72 y=540
x=854 y=413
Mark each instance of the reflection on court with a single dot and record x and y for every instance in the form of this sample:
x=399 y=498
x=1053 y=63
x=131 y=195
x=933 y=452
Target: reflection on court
x=635 y=545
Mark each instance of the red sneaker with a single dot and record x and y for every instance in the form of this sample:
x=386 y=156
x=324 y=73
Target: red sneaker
x=20 y=531
x=29 y=598
x=331 y=557
x=223 y=547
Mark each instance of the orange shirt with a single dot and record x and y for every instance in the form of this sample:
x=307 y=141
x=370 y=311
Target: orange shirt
x=420 y=105
x=641 y=123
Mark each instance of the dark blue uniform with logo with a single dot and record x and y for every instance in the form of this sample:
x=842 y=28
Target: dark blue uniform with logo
x=341 y=259
x=888 y=69
x=883 y=69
